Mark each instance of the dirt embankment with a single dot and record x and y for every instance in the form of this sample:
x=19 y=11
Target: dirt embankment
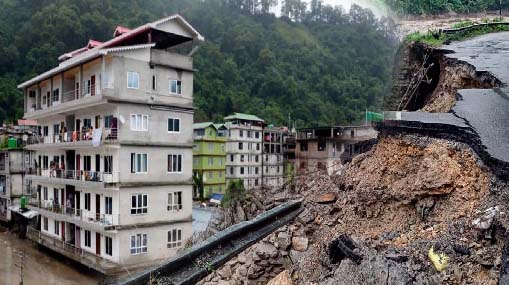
x=391 y=205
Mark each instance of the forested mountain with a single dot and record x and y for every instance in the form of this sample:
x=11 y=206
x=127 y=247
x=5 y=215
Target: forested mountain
x=420 y=7
x=322 y=64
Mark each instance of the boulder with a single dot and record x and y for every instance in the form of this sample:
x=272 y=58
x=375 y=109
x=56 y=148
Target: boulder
x=300 y=243
x=282 y=278
x=283 y=240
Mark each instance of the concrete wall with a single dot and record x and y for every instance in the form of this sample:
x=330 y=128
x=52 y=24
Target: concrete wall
x=157 y=125
x=157 y=210
x=157 y=158
x=157 y=243
x=123 y=64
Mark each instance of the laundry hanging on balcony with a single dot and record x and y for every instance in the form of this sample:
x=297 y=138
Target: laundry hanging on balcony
x=96 y=137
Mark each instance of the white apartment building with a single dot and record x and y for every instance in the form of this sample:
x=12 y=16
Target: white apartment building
x=113 y=171
x=273 y=162
x=244 y=149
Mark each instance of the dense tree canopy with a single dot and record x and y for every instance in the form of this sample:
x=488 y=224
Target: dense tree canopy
x=419 y=7
x=321 y=64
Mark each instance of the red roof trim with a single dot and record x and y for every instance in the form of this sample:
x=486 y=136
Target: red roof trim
x=119 y=30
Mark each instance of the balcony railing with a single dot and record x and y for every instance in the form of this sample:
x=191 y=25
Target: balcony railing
x=75 y=136
x=86 y=91
x=82 y=175
x=78 y=214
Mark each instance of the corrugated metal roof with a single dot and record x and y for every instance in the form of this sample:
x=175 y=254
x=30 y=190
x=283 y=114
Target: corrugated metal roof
x=245 y=117
x=202 y=125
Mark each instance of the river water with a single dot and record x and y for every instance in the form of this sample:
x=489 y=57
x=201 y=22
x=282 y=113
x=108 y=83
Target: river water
x=40 y=268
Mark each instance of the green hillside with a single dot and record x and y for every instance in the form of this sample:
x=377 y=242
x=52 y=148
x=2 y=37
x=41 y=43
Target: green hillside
x=421 y=7
x=320 y=64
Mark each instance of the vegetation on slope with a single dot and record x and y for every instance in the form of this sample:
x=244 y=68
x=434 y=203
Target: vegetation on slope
x=321 y=64
x=427 y=7
x=435 y=38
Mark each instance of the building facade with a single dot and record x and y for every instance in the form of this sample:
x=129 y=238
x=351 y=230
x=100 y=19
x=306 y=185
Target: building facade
x=323 y=147
x=15 y=162
x=244 y=149
x=273 y=162
x=114 y=151
x=209 y=157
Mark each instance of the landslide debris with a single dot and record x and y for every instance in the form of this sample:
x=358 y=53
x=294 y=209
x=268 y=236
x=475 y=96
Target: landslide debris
x=380 y=215
x=425 y=79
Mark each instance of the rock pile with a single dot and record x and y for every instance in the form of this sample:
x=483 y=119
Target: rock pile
x=390 y=205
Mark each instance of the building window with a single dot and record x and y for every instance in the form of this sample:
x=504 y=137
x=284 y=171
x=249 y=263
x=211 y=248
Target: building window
x=231 y=170
x=256 y=158
x=241 y=158
x=139 y=122
x=174 y=163
x=352 y=133
x=139 y=163
x=241 y=146
x=108 y=245
x=256 y=182
x=56 y=95
x=174 y=201
x=173 y=125
x=108 y=164
x=211 y=147
x=232 y=158
x=257 y=146
x=176 y=87
x=45 y=223
x=88 y=238
x=133 y=80
x=220 y=174
x=139 y=204
x=256 y=170
x=220 y=162
x=154 y=82
x=304 y=146
x=257 y=135
x=241 y=133
x=139 y=244
x=211 y=161
x=322 y=145
x=175 y=238
x=45 y=193
x=57 y=228
x=87 y=201
x=242 y=170
x=211 y=174
x=108 y=122
x=108 y=205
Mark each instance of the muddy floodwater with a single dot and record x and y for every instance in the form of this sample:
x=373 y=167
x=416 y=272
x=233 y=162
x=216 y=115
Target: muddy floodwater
x=40 y=268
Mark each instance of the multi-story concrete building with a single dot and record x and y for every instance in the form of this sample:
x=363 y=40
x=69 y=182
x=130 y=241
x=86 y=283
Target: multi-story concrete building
x=209 y=157
x=15 y=162
x=323 y=147
x=244 y=149
x=114 y=153
x=273 y=162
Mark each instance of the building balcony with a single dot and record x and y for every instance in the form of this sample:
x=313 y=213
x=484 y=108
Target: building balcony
x=79 y=178
x=68 y=100
x=77 y=216
x=73 y=139
x=71 y=251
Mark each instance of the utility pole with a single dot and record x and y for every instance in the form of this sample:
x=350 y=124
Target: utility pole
x=20 y=265
x=500 y=10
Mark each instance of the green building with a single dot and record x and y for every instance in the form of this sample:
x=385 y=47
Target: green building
x=209 y=157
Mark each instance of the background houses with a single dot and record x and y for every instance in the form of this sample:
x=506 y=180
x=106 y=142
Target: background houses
x=209 y=158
